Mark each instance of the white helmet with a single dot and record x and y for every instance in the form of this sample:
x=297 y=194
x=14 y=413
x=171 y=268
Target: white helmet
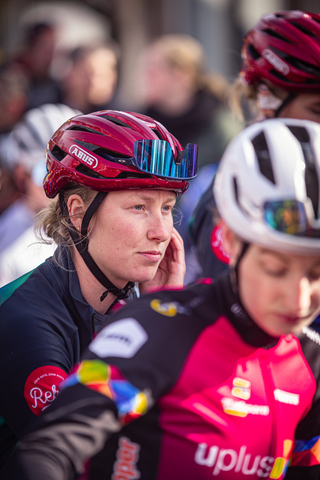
x=267 y=187
x=26 y=144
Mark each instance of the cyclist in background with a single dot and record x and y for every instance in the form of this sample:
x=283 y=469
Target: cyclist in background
x=279 y=77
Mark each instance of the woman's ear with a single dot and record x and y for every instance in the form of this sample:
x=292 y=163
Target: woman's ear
x=231 y=243
x=76 y=209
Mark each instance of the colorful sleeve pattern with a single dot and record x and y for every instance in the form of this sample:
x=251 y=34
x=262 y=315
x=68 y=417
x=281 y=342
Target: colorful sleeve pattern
x=306 y=453
x=109 y=381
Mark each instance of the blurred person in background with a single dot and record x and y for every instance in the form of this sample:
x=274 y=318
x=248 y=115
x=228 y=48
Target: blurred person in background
x=13 y=97
x=279 y=77
x=22 y=152
x=35 y=59
x=13 y=103
x=111 y=217
x=192 y=102
x=91 y=80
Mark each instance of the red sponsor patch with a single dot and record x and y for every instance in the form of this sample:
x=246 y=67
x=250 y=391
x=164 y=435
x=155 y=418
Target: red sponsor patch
x=216 y=242
x=41 y=387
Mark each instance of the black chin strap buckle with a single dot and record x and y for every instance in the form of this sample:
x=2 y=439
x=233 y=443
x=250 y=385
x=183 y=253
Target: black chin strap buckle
x=120 y=293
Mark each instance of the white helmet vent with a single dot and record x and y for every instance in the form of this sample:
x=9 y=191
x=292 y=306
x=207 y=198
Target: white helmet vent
x=263 y=156
x=311 y=174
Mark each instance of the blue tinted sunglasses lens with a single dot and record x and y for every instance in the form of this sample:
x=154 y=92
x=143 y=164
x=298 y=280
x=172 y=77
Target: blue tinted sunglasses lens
x=156 y=157
x=286 y=216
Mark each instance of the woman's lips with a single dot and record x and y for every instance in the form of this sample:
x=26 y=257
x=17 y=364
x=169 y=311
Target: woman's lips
x=153 y=256
x=292 y=319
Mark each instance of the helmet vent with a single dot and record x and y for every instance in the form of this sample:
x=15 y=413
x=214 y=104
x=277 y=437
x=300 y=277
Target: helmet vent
x=263 y=156
x=157 y=133
x=303 y=29
x=58 y=153
x=253 y=52
x=304 y=66
x=311 y=175
x=273 y=33
x=279 y=75
x=109 y=155
x=236 y=190
x=298 y=63
x=80 y=128
x=115 y=120
x=88 y=172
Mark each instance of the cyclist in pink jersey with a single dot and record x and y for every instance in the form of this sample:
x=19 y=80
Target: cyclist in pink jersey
x=219 y=379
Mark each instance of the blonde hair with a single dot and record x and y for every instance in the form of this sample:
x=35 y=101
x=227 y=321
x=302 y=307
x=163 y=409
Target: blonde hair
x=244 y=98
x=242 y=95
x=184 y=52
x=54 y=224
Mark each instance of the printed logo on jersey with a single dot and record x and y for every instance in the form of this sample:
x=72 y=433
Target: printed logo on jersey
x=286 y=397
x=84 y=156
x=312 y=334
x=242 y=409
x=241 y=388
x=216 y=242
x=278 y=64
x=227 y=460
x=169 y=309
x=124 y=467
x=120 y=339
x=41 y=387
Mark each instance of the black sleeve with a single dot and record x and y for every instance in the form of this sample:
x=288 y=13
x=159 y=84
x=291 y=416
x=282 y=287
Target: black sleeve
x=302 y=473
x=73 y=429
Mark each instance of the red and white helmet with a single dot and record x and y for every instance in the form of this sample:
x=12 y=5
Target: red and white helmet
x=106 y=151
x=284 y=48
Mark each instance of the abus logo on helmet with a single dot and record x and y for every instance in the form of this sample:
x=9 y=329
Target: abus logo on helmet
x=226 y=459
x=278 y=64
x=83 y=156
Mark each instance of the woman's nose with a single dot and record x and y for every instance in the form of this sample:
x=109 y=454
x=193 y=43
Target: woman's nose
x=300 y=296
x=158 y=229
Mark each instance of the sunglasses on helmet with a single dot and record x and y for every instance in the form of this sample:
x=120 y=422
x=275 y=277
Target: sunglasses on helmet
x=291 y=217
x=157 y=158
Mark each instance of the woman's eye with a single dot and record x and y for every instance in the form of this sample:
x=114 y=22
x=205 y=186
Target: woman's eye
x=274 y=270
x=138 y=207
x=167 y=208
x=275 y=273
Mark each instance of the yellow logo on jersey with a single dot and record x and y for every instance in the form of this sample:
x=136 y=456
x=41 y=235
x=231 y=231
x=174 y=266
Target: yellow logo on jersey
x=241 y=388
x=169 y=309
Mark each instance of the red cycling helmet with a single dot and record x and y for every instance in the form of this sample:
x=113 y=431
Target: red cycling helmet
x=284 y=48
x=112 y=150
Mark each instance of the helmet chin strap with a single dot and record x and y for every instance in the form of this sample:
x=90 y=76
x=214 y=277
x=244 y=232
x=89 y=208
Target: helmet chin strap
x=82 y=246
x=234 y=271
x=289 y=99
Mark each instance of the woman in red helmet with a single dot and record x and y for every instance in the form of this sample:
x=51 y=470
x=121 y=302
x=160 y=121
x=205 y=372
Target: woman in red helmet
x=279 y=77
x=115 y=177
x=280 y=71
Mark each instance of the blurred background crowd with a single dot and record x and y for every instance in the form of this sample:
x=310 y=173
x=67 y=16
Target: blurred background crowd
x=171 y=59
